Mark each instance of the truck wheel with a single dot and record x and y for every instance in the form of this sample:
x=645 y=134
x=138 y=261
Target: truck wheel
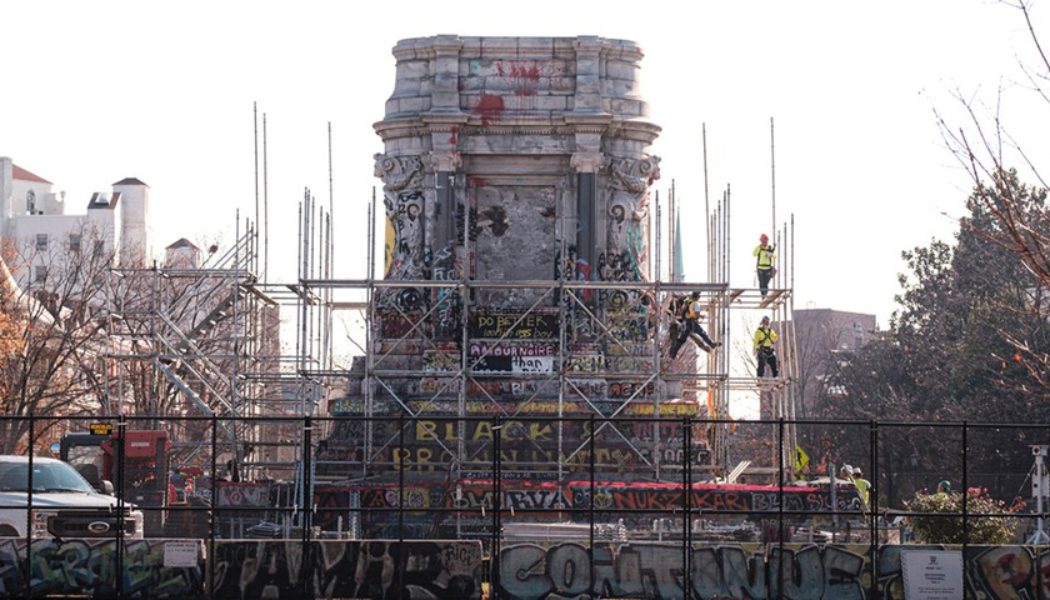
x=7 y=531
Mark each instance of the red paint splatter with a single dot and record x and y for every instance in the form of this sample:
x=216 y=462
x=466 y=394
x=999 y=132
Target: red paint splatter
x=522 y=72
x=524 y=92
x=489 y=107
x=473 y=181
x=453 y=138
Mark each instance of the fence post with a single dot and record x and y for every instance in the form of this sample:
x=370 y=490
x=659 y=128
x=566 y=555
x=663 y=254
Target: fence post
x=401 y=562
x=29 y=510
x=401 y=478
x=687 y=497
x=213 y=521
x=873 y=494
x=590 y=509
x=122 y=459
x=497 y=491
x=965 y=486
x=780 y=507
x=307 y=522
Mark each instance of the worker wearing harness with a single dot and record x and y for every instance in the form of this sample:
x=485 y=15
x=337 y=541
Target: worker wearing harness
x=690 y=325
x=764 y=352
x=765 y=255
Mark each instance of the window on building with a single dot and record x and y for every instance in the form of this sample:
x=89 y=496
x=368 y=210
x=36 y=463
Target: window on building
x=99 y=248
x=74 y=243
x=31 y=202
x=41 y=242
x=40 y=274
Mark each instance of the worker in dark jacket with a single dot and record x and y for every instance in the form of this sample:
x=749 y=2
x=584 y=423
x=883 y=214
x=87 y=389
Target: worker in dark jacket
x=691 y=324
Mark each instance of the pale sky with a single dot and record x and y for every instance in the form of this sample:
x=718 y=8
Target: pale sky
x=163 y=91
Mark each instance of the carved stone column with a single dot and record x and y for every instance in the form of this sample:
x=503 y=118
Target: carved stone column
x=626 y=256
x=404 y=202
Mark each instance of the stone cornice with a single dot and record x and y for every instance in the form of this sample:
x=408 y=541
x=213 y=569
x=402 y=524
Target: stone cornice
x=588 y=122
x=443 y=122
x=428 y=47
x=632 y=129
x=414 y=48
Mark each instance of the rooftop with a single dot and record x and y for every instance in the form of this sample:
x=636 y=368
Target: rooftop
x=131 y=181
x=24 y=175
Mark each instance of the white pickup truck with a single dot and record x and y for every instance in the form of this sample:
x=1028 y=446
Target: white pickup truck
x=64 y=504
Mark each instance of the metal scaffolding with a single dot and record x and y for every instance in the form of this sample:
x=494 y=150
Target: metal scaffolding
x=190 y=339
x=429 y=347
x=426 y=347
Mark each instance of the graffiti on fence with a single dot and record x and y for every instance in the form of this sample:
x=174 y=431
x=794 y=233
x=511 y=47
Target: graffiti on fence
x=453 y=569
x=435 y=570
x=82 y=567
x=751 y=572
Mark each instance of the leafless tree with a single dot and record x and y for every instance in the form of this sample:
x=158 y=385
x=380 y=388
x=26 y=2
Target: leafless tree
x=989 y=153
x=54 y=335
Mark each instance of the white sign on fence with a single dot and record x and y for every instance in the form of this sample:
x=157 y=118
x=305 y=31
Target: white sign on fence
x=181 y=553
x=932 y=574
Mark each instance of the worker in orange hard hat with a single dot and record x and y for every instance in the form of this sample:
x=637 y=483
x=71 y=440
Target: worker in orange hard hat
x=765 y=255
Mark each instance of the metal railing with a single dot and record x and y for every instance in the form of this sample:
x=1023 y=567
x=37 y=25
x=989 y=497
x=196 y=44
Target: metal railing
x=496 y=496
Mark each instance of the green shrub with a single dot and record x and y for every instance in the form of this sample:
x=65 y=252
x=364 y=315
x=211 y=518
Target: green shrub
x=933 y=529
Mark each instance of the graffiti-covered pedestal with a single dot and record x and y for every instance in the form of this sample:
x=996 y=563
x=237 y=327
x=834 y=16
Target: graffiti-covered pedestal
x=519 y=309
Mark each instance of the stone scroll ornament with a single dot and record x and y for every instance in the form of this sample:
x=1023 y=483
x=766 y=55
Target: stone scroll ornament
x=403 y=198
x=626 y=256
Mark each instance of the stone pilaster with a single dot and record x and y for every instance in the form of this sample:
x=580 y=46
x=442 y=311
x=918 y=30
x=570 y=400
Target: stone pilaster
x=588 y=97
x=587 y=164
x=445 y=95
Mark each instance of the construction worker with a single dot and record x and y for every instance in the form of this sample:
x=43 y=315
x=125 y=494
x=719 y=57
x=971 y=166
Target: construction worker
x=691 y=324
x=765 y=255
x=863 y=485
x=765 y=354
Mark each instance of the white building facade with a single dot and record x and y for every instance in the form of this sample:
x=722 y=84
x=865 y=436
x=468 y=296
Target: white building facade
x=35 y=226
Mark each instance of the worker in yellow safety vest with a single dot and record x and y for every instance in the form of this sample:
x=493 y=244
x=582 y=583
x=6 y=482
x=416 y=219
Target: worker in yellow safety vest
x=765 y=255
x=863 y=485
x=691 y=316
x=765 y=354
